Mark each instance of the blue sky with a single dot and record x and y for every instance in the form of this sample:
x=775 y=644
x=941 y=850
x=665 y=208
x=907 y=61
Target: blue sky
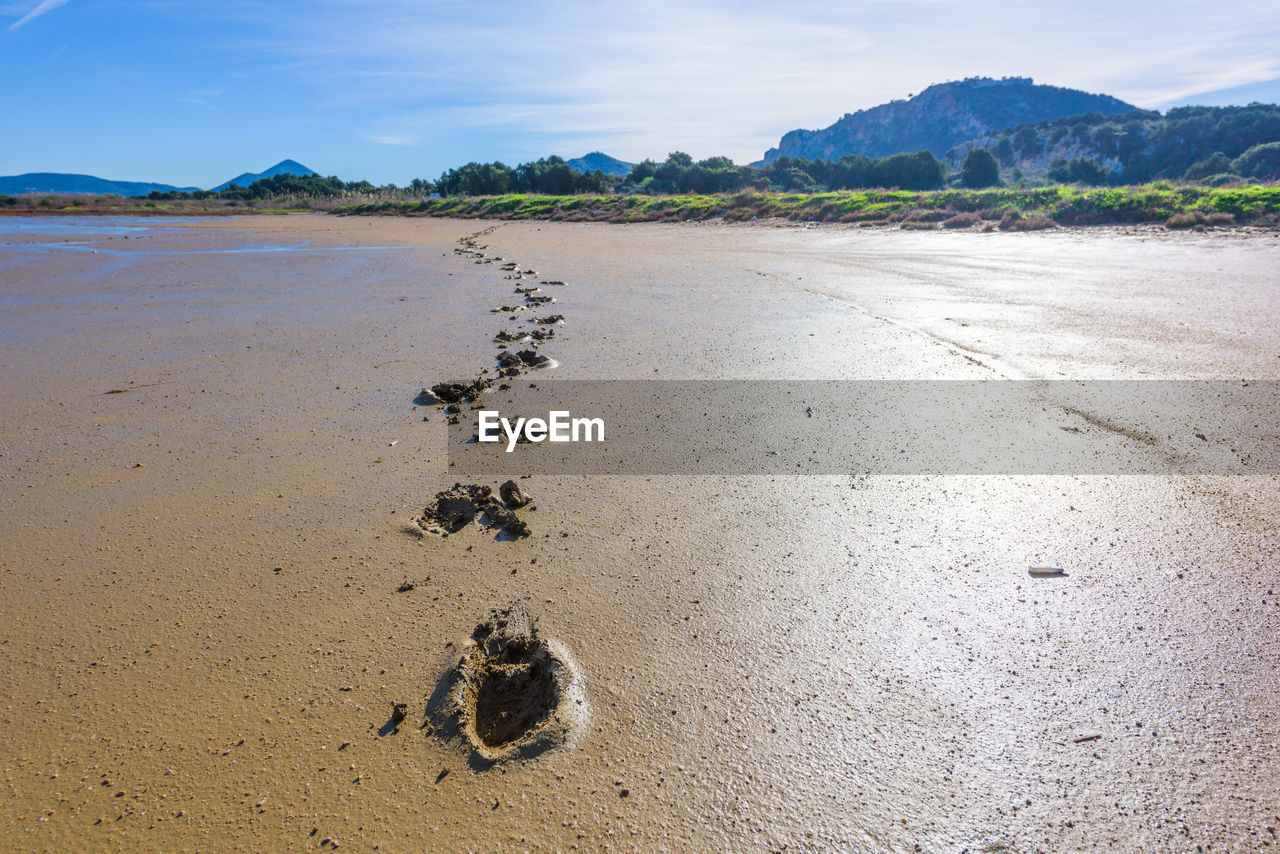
x=193 y=92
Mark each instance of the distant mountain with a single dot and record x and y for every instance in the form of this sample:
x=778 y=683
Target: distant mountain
x=606 y=164
x=942 y=116
x=284 y=167
x=59 y=182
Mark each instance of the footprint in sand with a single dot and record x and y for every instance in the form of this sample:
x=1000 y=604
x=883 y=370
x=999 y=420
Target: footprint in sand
x=513 y=694
x=452 y=393
x=457 y=507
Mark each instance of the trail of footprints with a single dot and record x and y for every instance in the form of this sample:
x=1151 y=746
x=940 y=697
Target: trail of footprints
x=512 y=693
x=518 y=346
x=517 y=353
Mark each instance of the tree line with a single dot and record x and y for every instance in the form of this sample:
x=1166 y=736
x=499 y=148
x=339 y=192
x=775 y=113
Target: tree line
x=277 y=186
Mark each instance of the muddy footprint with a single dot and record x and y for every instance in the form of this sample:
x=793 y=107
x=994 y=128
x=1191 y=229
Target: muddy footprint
x=457 y=507
x=513 y=694
x=453 y=393
x=523 y=359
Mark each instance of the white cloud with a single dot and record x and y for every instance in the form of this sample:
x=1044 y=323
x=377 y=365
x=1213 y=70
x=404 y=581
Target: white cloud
x=40 y=8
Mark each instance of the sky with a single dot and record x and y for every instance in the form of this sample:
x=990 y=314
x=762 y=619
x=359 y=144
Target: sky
x=194 y=92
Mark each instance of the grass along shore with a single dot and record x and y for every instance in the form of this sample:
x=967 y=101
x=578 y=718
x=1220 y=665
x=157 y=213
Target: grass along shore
x=1009 y=209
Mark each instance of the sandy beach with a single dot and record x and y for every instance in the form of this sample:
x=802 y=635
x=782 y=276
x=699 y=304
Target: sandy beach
x=212 y=463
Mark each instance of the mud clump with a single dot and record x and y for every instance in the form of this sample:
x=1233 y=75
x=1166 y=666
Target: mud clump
x=507 y=520
x=522 y=359
x=457 y=507
x=513 y=693
x=513 y=495
x=458 y=392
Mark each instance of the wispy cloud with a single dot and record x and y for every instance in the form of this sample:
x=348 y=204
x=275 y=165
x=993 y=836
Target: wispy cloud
x=381 y=139
x=725 y=76
x=202 y=98
x=40 y=8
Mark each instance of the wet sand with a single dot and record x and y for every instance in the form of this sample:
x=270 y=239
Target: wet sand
x=203 y=640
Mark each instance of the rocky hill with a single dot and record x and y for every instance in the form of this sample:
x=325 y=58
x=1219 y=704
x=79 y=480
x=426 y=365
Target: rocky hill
x=1198 y=143
x=941 y=117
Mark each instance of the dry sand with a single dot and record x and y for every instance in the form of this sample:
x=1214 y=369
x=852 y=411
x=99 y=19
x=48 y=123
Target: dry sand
x=202 y=639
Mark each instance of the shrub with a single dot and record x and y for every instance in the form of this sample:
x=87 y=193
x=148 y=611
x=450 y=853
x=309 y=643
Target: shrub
x=1186 y=219
x=1215 y=164
x=1081 y=170
x=925 y=215
x=1034 y=222
x=1261 y=162
x=1222 y=179
x=980 y=169
x=962 y=220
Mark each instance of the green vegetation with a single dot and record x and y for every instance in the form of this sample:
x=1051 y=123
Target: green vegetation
x=276 y=187
x=551 y=176
x=680 y=174
x=1007 y=208
x=1081 y=170
x=907 y=190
